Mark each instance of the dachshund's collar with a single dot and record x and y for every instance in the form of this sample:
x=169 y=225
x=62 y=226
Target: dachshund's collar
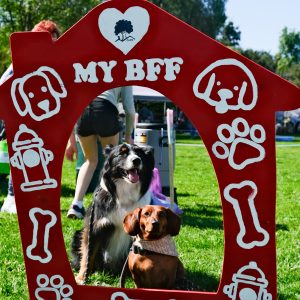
x=165 y=245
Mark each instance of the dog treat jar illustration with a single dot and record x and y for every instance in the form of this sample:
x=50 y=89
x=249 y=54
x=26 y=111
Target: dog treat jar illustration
x=30 y=155
x=249 y=283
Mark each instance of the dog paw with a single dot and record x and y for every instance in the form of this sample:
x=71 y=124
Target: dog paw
x=52 y=286
x=240 y=143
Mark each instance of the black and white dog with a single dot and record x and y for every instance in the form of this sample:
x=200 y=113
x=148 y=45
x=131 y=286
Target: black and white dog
x=102 y=243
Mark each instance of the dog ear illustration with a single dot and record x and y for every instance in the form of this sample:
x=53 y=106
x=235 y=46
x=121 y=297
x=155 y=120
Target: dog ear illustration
x=131 y=222
x=174 y=222
x=18 y=96
x=54 y=80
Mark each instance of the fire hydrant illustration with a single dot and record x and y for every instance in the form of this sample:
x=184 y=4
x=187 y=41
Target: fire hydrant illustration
x=249 y=283
x=32 y=159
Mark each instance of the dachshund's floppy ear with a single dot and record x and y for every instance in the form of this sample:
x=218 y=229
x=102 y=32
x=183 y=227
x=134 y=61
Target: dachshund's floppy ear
x=174 y=222
x=131 y=222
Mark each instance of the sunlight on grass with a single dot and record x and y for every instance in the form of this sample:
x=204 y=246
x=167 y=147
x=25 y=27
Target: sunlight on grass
x=287 y=221
x=200 y=241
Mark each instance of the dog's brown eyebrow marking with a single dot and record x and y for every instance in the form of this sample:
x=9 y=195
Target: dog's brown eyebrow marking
x=123 y=149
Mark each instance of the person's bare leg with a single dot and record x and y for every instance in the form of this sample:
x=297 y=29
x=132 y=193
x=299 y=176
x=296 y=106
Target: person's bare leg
x=86 y=172
x=109 y=140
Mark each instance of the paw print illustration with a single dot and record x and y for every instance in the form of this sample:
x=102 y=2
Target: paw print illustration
x=54 y=286
x=240 y=143
x=119 y=296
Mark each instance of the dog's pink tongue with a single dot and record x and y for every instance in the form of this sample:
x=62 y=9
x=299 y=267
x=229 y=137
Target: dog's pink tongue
x=133 y=175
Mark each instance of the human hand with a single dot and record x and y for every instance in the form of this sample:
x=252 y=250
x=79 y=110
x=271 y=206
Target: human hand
x=69 y=153
x=71 y=149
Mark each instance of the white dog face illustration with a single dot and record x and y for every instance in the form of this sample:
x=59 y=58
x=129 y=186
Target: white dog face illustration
x=38 y=94
x=216 y=86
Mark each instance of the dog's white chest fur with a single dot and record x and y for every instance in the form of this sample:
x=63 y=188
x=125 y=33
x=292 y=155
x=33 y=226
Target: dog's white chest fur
x=128 y=193
x=128 y=200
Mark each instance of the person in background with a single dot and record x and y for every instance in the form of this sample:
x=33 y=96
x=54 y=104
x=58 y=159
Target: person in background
x=146 y=115
x=99 y=120
x=9 y=204
x=185 y=125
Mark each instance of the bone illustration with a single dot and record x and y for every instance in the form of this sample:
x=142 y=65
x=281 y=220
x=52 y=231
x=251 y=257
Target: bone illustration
x=244 y=209
x=248 y=283
x=126 y=30
x=213 y=87
x=38 y=93
x=31 y=157
x=235 y=138
x=47 y=287
x=40 y=235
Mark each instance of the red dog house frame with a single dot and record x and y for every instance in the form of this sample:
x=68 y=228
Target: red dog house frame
x=231 y=100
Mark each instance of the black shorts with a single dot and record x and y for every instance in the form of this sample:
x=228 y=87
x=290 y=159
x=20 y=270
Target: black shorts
x=100 y=117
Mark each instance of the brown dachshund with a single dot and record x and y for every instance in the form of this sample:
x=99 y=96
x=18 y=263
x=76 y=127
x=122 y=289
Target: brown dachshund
x=153 y=260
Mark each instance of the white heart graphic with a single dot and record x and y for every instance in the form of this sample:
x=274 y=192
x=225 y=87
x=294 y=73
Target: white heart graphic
x=124 y=31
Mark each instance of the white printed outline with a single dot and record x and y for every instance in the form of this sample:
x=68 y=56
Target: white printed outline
x=46 y=284
x=31 y=158
x=241 y=277
x=138 y=16
x=33 y=245
x=18 y=84
x=221 y=106
x=233 y=130
x=239 y=217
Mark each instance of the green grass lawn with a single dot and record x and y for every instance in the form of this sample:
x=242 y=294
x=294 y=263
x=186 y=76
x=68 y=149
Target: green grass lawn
x=200 y=242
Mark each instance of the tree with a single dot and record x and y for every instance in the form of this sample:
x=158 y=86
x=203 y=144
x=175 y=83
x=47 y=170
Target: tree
x=122 y=29
x=289 y=50
x=293 y=74
x=206 y=15
x=230 y=35
x=22 y=15
x=262 y=58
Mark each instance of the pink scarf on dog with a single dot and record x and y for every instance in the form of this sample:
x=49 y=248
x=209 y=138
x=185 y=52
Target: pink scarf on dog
x=165 y=245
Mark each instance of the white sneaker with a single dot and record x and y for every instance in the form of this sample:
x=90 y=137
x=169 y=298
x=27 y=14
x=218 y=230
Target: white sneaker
x=75 y=212
x=9 y=205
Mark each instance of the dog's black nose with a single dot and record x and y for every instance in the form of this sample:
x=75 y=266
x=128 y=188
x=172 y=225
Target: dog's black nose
x=155 y=224
x=136 y=162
